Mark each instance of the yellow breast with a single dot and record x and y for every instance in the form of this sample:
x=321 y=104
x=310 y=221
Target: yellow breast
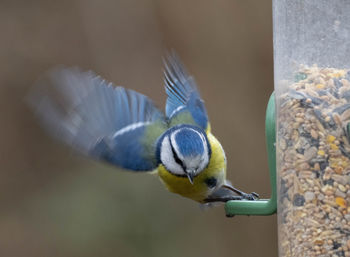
x=199 y=190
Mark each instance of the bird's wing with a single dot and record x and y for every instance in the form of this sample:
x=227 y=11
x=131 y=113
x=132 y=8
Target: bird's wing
x=184 y=104
x=100 y=120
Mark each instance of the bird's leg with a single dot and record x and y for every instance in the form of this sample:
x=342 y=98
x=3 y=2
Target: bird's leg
x=224 y=198
x=245 y=196
x=227 y=193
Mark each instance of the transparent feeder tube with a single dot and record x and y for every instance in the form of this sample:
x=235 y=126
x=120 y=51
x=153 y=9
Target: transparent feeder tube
x=312 y=88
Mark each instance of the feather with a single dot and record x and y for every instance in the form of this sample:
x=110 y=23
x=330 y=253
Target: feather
x=183 y=95
x=98 y=119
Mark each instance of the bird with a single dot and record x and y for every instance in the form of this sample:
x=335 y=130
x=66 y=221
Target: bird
x=124 y=128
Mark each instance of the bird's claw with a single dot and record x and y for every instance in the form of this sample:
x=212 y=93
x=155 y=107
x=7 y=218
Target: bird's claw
x=251 y=197
x=255 y=195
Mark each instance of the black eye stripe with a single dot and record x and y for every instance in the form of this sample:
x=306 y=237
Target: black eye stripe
x=176 y=157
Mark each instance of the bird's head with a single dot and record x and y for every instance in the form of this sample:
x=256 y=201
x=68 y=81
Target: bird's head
x=184 y=150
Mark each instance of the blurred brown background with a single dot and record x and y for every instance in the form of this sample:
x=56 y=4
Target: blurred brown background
x=54 y=203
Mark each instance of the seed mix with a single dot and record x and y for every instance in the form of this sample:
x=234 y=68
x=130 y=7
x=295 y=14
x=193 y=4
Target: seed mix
x=313 y=158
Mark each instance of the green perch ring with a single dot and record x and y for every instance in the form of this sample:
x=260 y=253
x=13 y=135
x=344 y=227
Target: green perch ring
x=262 y=206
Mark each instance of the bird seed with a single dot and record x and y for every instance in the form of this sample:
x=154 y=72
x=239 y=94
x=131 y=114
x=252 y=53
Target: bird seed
x=313 y=158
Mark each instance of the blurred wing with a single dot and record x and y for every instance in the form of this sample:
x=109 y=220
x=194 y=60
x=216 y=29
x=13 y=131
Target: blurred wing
x=184 y=104
x=98 y=119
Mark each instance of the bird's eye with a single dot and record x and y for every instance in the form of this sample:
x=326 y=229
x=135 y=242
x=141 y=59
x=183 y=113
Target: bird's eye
x=170 y=159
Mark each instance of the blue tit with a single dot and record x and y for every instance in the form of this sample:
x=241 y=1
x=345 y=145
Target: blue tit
x=124 y=128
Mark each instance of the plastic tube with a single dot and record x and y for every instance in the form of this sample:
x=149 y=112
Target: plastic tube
x=312 y=87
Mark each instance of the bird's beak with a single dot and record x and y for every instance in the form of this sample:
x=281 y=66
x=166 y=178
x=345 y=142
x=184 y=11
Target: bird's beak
x=190 y=175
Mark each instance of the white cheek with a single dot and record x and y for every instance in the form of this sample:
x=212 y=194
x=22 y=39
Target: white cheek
x=167 y=158
x=205 y=155
x=204 y=161
x=173 y=142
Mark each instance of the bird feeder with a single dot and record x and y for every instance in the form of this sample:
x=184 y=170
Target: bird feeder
x=311 y=108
